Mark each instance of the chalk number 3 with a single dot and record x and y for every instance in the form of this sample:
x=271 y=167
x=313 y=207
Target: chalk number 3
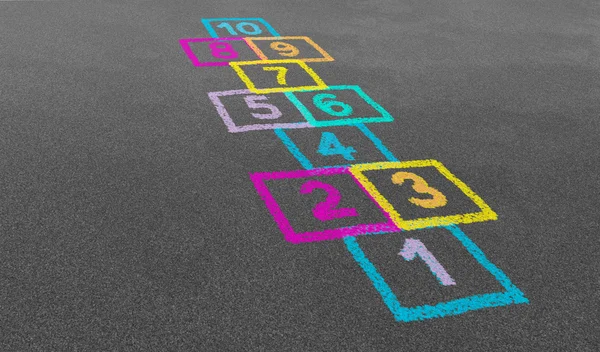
x=438 y=199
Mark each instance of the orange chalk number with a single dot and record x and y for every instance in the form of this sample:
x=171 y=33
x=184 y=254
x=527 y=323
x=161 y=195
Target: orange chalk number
x=438 y=199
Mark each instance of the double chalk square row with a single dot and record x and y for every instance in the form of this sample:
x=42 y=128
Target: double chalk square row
x=283 y=93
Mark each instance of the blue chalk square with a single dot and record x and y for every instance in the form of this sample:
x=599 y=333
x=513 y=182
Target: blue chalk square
x=414 y=283
x=228 y=27
x=334 y=146
x=338 y=106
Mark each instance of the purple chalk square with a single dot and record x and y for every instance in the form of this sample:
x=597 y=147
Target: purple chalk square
x=274 y=102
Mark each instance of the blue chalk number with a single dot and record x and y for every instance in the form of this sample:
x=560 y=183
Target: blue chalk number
x=330 y=145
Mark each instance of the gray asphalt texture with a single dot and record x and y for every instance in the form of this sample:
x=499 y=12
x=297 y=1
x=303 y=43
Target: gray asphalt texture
x=128 y=221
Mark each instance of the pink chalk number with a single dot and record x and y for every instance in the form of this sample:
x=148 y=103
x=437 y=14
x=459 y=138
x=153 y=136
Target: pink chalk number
x=413 y=248
x=326 y=210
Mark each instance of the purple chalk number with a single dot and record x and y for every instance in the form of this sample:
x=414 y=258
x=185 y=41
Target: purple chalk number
x=413 y=248
x=326 y=210
x=251 y=101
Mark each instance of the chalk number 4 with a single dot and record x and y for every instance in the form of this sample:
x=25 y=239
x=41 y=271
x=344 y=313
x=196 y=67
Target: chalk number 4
x=330 y=145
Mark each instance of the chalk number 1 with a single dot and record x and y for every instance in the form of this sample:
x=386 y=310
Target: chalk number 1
x=415 y=248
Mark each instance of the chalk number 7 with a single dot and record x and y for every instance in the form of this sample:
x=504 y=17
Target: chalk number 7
x=281 y=72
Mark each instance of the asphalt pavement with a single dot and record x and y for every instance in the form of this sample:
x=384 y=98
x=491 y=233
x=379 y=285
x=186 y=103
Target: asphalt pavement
x=140 y=213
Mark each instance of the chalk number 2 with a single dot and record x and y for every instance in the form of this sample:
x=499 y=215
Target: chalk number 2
x=327 y=210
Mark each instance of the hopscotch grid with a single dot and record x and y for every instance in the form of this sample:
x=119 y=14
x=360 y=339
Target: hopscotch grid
x=511 y=295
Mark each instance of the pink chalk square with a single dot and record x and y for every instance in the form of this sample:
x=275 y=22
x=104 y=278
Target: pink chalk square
x=290 y=113
x=185 y=45
x=290 y=234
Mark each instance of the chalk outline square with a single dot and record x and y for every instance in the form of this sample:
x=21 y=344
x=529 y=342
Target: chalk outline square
x=326 y=57
x=385 y=116
x=185 y=45
x=320 y=85
x=512 y=295
x=207 y=24
x=307 y=164
x=233 y=128
x=290 y=235
x=485 y=214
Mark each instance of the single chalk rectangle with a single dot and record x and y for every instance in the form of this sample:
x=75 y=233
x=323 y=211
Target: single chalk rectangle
x=290 y=47
x=254 y=112
x=219 y=51
x=426 y=194
x=238 y=26
x=510 y=295
x=338 y=106
x=353 y=220
x=278 y=71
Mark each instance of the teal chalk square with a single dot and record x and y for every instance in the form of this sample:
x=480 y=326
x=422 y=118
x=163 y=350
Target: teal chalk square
x=510 y=295
x=380 y=115
x=207 y=22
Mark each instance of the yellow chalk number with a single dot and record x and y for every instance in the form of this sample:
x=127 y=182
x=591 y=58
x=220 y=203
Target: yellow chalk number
x=281 y=71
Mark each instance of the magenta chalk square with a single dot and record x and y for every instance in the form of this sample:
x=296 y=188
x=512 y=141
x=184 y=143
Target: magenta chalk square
x=256 y=112
x=265 y=183
x=216 y=51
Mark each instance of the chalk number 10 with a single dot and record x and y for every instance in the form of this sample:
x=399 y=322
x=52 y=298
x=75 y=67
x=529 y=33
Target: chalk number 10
x=247 y=28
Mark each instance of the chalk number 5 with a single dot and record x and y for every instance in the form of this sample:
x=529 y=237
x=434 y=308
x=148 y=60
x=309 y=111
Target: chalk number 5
x=253 y=102
x=438 y=199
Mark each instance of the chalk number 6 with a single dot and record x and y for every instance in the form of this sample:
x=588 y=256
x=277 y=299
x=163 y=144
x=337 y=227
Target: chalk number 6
x=438 y=199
